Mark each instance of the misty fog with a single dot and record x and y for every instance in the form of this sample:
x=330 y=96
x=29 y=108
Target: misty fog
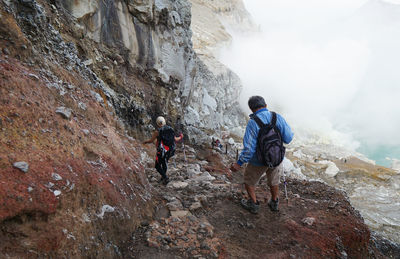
x=332 y=68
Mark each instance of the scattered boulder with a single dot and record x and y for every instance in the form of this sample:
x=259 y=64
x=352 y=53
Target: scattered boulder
x=34 y=76
x=64 y=112
x=104 y=209
x=179 y=213
x=23 y=166
x=175 y=205
x=205 y=176
x=88 y=62
x=178 y=185
x=196 y=205
x=82 y=106
x=56 y=177
x=308 y=221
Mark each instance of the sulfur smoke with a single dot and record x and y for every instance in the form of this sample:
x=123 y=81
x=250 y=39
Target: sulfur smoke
x=331 y=67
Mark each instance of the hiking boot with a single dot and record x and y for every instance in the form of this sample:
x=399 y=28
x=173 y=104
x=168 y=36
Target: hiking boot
x=165 y=181
x=273 y=205
x=250 y=205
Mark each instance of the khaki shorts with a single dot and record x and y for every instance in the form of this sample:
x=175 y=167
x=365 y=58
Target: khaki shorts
x=252 y=174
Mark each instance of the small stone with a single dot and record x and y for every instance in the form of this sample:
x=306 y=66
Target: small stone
x=105 y=208
x=56 y=177
x=179 y=213
x=33 y=76
x=64 y=112
x=174 y=205
x=88 y=62
x=332 y=205
x=49 y=185
x=86 y=132
x=308 y=221
x=250 y=225
x=178 y=185
x=30 y=189
x=23 y=166
x=195 y=206
x=57 y=193
x=82 y=106
x=119 y=59
x=106 y=68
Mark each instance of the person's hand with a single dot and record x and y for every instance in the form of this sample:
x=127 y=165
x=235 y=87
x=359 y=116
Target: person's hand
x=179 y=138
x=235 y=167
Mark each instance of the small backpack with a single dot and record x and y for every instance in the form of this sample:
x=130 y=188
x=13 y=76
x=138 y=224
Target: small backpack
x=167 y=141
x=270 y=150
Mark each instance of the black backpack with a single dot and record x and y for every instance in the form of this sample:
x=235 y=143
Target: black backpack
x=270 y=150
x=167 y=140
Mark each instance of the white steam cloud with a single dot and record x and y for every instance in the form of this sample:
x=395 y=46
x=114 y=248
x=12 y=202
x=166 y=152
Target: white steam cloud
x=329 y=66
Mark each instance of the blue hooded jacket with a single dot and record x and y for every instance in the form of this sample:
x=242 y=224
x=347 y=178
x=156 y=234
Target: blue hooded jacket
x=248 y=154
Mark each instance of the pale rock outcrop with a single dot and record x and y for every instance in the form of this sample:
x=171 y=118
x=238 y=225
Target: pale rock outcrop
x=156 y=33
x=156 y=37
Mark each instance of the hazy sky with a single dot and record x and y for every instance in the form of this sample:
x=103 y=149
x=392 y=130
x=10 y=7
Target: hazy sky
x=329 y=66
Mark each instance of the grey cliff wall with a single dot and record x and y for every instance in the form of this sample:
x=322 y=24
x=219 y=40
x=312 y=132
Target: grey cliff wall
x=156 y=38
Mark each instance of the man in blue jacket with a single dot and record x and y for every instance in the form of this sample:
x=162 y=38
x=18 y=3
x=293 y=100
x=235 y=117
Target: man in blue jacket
x=255 y=169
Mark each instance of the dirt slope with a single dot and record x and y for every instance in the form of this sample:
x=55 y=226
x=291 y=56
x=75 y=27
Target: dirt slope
x=316 y=221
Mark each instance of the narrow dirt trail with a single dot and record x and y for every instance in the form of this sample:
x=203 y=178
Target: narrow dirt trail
x=199 y=216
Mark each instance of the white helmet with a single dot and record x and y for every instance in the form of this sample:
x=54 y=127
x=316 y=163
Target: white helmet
x=160 y=121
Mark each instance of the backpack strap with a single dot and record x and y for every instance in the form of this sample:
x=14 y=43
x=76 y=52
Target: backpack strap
x=261 y=124
x=258 y=121
x=273 y=122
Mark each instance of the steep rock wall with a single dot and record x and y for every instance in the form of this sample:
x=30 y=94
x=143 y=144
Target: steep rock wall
x=82 y=190
x=217 y=87
x=157 y=39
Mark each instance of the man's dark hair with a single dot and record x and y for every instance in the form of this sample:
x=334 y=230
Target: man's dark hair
x=256 y=102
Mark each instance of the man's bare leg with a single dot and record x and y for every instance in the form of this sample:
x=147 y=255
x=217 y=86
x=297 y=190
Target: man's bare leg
x=274 y=192
x=251 y=191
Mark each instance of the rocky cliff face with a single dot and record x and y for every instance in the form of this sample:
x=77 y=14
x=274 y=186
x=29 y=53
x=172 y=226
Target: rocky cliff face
x=155 y=38
x=71 y=181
